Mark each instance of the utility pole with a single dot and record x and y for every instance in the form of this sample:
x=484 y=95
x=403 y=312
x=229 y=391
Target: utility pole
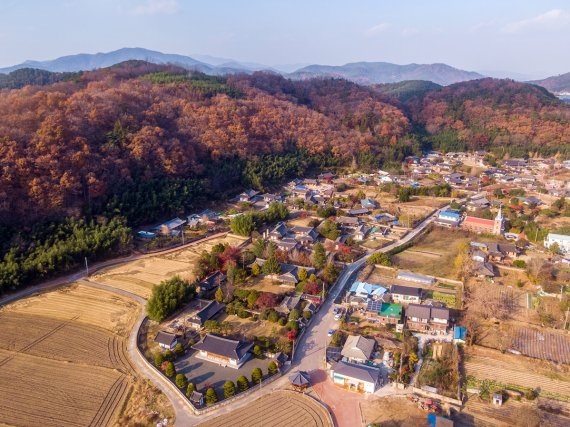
x=86 y=268
x=566 y=319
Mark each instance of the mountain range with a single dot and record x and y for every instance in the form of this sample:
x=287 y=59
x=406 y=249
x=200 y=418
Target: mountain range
x=360 y=72
x=366 y=73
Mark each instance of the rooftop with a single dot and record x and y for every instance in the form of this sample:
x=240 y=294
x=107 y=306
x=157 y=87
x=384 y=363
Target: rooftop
x=359 y=372
x=225 y=347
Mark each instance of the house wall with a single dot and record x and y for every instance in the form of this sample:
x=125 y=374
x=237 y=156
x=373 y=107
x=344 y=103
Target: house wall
x=406 y=299
x=353 y=383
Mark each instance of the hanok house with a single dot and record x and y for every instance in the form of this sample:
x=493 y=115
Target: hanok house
x=483 y=269
x=499 y=252
x=406 y=294
x=383 y=312
x=347 y=221
x=305 y=235
x=358 y=349
x=165 y=340
x=289 y=272
x=278 y=232
x=356 y=377
x=248 y=196
x=210 y=283
x=427 y=318
x=289 y=304
x=358 y=212
x=223 y=351
x=360 y=232
x=209 y=312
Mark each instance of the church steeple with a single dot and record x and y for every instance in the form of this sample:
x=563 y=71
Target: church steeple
x=499 y=226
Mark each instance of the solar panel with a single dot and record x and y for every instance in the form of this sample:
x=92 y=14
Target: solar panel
x=375 y=306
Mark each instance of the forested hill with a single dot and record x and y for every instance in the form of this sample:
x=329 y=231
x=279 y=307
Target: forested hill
x=76 y=146
x=494 y=114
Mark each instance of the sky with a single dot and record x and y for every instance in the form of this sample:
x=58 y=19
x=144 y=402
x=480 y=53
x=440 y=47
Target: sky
x=523 y=38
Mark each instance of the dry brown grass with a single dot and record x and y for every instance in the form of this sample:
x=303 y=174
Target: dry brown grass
x=393 y=412
x=146 y=406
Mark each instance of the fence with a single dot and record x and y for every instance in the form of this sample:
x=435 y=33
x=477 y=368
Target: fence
x=441 y=397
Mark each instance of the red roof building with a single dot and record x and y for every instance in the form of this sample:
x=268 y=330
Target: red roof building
x=480 y=225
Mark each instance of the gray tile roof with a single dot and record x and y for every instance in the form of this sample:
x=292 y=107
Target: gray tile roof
x=406 y=290
x=359 y=372
x=208 y=312
x=223 y=346
x=164 y=338
x=358 y=347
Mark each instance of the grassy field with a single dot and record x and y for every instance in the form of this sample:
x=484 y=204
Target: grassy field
x=434 y=253
x=250 y=329
x=63 y=358
x=139 y=277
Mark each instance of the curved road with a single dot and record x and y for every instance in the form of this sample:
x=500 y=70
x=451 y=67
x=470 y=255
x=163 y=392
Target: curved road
x=310 y=354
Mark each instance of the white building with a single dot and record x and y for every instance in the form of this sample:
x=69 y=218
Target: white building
x=356 y=377
x=562 y=240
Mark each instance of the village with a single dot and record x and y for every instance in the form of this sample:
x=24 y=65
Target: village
x=484 y=281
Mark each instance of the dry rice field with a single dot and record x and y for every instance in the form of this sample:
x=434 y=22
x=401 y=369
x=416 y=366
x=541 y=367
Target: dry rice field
x=63 y=358
x=278 y=409
x=139 y=277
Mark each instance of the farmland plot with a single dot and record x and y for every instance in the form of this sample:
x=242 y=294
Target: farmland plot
x=139 y=277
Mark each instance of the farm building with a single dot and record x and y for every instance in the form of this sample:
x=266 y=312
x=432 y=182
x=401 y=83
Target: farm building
x=417 y=278
x=448 y=219
x=171 y=228
x=166 y=340
x=358 y=349
x=223 y=351
x=406 y=294
x=211 y=310
x=356 y=377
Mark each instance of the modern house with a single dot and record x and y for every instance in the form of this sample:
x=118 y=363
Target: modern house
x=417 y=278
x=211 y=310
x=360 y=232
x=358 y=349
x=223 y=351
x=248 y=195
x=427 y=318
x=562 y=240
x=356 y=377
x=383 y=312
x=369 y=203
x=406 y=294
x=278 y=232
x=165 y=340
x=362 y=291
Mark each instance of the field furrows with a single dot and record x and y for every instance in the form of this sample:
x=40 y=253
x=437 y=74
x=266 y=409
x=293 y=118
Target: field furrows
x=485 y=368
x=40 y=391
x=542 y=344
x=277 y=410
x=117 y=350
x=111 y=402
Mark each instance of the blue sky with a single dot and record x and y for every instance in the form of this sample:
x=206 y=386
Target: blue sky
x=524 y=36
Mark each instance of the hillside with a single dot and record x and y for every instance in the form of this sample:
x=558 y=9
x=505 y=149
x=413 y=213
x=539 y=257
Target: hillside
x=491 y=113
x=406 y=90
x=384 y=72
x=558 y=85
x=134 y=129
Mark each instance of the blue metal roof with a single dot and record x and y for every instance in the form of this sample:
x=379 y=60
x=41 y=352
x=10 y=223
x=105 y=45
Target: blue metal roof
x=449 y=214
x=459 y=332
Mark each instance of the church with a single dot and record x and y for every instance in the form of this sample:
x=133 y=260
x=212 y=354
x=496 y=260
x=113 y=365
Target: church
x=480 y=225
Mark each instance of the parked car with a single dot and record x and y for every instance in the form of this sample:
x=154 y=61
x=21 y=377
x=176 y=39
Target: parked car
x=338 y=316
x=331 y=332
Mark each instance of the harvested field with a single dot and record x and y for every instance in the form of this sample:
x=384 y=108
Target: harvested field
x=139 y=277
x=63 y=358
x=393 y=411
x=542 y=344
x=39 y=391
x=280 y=408
x=89 y=305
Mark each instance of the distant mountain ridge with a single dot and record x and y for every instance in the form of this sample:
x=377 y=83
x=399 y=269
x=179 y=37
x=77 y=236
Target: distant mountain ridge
x=558 y=85
x=384 y=72
x=360 y=72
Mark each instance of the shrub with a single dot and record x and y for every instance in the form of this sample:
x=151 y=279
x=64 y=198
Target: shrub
x=255 y=270
x=307 y=315
x=242 y=383
x=530 y=394
x=294 y=315
x=229 y=389
x=181 y=381
x=210 y=397
x=167 y=297
x=379 y=258
x=292 y=325
x=243 y=313
x=168 y=355
x=302 y=274
x=243 y=225
x=158 y=359
x=281 y=321
x=519 y=263
x=257 y=352
x=179 y=349
x=292 y=335
x=272 y=368
x=170 y=370
x=219 y=295
x=256 y=375
x=273 y=316
x=319 y=256
x=190 y=389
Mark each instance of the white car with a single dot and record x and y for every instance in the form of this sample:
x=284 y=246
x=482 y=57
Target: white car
x=338 y=316
x=330 y=332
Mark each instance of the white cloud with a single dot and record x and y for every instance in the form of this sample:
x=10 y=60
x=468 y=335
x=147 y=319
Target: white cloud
x=377 y=29
x=156 y=7
x=553 y=19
